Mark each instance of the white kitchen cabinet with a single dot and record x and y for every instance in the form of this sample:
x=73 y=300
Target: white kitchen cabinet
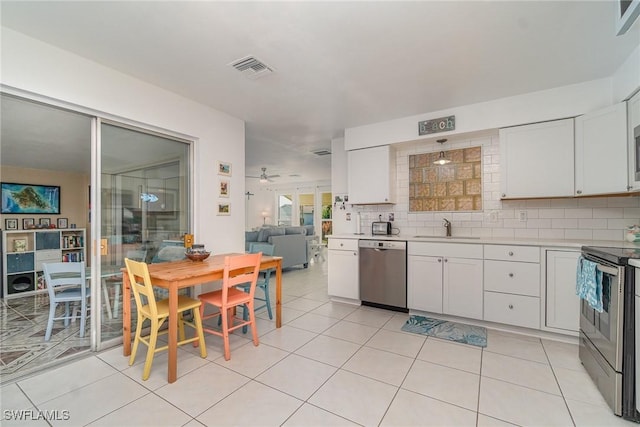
x=633 y=121
x=462 y=287
x=371 y=175
x=601 y=152
x=537 y=160
x=445 y=278
x=424 y=283
x=512 y=285
x=343 y=269
x=562 y=306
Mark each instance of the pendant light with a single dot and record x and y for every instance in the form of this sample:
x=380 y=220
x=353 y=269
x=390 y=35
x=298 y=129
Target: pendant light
x=441 y=160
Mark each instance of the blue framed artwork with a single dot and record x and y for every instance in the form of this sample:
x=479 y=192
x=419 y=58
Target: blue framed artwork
x=30 y=199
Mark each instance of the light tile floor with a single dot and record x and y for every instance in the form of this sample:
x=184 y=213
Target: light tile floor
x=330 y=364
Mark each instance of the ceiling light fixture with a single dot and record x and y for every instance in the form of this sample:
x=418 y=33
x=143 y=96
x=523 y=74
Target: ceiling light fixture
x=263 y=177
x=442 y=160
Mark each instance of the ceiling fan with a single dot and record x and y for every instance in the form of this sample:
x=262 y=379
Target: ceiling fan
x=264 y=178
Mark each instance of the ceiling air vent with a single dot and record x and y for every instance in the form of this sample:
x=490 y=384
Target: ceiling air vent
x=321 y=152
x=252 y=67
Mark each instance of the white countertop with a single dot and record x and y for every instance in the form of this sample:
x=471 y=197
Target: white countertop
x=493 y=240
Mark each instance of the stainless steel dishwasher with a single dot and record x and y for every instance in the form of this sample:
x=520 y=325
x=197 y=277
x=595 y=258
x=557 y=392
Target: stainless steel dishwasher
x=383 y=274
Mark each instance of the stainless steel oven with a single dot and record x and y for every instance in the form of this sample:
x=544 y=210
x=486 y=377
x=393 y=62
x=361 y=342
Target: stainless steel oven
x=607 y=339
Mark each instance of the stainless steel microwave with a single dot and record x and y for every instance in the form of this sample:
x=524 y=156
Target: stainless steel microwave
x=636 y=138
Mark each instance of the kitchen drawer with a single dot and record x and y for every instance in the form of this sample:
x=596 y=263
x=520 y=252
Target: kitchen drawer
x=457 y=250
x=52 y=255
x=512 y=277
x=512 y=253
x=343 y=244
x=518 y=310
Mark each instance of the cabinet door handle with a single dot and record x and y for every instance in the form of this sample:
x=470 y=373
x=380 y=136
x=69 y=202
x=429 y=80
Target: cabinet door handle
x=579 y=192
x=510 y=274
x=446 y=260
x=439 y=259
x=341 y=244
x=510 y=253
x=510 y=306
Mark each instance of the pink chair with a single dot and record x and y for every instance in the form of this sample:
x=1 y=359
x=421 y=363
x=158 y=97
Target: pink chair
x=238 y=270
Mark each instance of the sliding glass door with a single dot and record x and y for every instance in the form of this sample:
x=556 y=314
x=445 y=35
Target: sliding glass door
x=142 y=206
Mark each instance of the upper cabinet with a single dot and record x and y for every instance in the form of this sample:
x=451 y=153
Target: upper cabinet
x=371 y=175
x=601 y=152
x=633 y=121
x=537 y=160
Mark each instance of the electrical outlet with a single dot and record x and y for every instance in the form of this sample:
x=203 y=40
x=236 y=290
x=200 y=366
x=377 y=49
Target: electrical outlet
x=522 y=216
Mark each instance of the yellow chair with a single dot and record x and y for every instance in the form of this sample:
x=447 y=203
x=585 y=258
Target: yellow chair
x=238 y=270
x=157 y=312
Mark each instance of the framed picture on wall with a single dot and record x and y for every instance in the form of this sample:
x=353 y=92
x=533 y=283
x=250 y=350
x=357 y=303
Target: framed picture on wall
x=224 y=188
x=63 y=222
x=224 y=168
x=45 y=222
x=30 y=199
x=11 y=224
x=28 y=223
x=224 y=209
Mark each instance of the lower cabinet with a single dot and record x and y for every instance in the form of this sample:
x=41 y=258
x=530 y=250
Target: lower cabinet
x=438 y=281
x=462 y=284
x=562 y=303
x=518 y=310
x=343 y=269
x=424 y=283
x=512 y=285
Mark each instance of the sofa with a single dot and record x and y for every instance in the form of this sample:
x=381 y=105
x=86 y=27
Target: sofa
x=291 y=243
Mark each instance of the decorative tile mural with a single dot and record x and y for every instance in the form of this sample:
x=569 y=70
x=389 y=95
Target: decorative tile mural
x=455 y=186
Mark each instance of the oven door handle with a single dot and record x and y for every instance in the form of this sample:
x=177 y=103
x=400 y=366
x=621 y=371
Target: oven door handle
x=608 y=270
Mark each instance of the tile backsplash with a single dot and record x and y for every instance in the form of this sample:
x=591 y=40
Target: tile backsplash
x=594 y=218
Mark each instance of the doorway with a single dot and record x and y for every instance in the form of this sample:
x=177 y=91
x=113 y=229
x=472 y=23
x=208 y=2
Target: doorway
x=127 y=186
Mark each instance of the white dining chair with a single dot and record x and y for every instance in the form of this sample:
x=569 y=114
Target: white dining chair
x=66 y=283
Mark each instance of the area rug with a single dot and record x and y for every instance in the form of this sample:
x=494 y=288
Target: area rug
x=452 y=331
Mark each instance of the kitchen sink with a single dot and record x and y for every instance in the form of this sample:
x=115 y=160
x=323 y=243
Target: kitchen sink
x=445 y=237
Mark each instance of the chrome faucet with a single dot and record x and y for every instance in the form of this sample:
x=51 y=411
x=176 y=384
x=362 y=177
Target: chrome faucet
x=447 y=226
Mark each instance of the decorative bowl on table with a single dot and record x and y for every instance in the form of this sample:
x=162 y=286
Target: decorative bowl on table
x=197 y=256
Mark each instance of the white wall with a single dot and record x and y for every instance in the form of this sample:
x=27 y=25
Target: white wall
x=598 y=218
x=566 y=101
x=626 y=79
x=33 y=66
x=601 y=218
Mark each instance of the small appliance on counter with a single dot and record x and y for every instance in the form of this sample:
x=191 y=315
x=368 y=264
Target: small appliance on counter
x=381 y=228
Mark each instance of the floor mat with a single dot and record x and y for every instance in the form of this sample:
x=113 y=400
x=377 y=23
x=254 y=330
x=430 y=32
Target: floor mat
x=443 y=329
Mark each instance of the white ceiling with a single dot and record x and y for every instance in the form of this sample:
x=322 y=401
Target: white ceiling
x=337 y=64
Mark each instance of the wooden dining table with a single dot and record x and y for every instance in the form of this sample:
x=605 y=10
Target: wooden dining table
x=181 y=274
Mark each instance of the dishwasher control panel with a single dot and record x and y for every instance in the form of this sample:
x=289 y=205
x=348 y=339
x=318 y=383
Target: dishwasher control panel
x=382 y=244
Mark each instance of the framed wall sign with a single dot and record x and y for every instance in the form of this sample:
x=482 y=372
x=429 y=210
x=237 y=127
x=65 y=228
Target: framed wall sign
x=28 y=223
x=11 y=224
x=63 y=222
x=45 y=222
x=30 y=199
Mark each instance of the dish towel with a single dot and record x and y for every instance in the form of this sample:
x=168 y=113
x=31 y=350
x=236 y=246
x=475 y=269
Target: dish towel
x=589 y=283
